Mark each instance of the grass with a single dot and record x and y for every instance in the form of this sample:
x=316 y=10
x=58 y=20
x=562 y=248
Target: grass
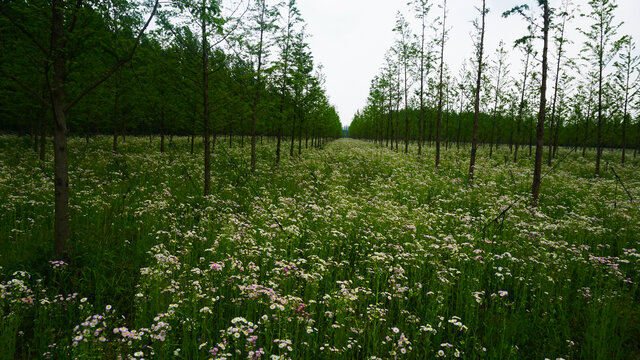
x=349 y=251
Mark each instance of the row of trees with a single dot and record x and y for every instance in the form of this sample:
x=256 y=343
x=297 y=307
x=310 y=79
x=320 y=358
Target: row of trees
x=207 y=68
x=593 y=102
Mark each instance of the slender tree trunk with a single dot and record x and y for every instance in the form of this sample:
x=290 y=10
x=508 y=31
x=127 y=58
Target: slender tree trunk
x=62 y=230
x=555 y=91
x=495 y=111
x=530 y=136
x=115 y=113
x=625 y=116
x=256 y=95
x=537 y=172
x=124 y=128
x=521 y=108
x=193 y=127
x=293 y=132
x=559 y=124
x=476 y=118
x=278 y=146
x=421 y=127
x=440 y=85
x=397 y=124
x=587 y=120
x=231 y=132
x=600 y=86
x=205 y=105
x=406 y=110
x=162 y=131
x=300 y=136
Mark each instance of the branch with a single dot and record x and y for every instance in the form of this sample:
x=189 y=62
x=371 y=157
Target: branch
x=118 y=64
x=26 y=88
x=24 y=31
x=75 y=16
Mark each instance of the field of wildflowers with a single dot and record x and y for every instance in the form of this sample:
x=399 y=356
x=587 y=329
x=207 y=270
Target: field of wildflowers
x=349 y=251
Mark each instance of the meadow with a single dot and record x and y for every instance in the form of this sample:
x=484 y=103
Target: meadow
x=347 y=252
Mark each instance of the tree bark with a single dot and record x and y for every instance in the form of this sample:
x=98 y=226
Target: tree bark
x=476 y=118
x=115 y=113
x=521 y=108
x=537 y=172
x=205 y=104
x=440 y=85
x=62 y=230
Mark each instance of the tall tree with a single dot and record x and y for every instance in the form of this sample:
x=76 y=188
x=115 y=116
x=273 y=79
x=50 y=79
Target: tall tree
x=404 y=50
x=599 y=49
x=264 y=17
x=441 y=42
x=501 y=73
x=480 y=60
x=560 y=40
x=526 y=45
x=302 y=67
x=285 y=40
x=628 y=83
x=421 y=9
x=535 y=188
x=64 y=20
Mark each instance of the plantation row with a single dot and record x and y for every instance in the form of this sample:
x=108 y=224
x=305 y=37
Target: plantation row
x=347 y=251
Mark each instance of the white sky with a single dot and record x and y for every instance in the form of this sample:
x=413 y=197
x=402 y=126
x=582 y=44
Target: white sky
x=350 y=37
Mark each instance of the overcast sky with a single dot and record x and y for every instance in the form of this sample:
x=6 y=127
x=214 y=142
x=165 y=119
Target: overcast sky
x=350 y=37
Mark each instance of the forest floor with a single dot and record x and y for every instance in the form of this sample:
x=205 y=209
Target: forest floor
x=350 y=251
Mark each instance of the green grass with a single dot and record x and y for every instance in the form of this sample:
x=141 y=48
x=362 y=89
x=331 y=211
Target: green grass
x=349 y=251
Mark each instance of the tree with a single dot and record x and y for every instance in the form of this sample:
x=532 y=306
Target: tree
x=404 y=50
x=421 y=9
x=285 y=40
x=58 y=55
x=599 y=49
x=535 y=188
x=628 y=82
x=263 y=18
x=302 y=67
x=476 y=117
x=441 y=42
x=525 y=44
x=502 y=72
x=560 y=41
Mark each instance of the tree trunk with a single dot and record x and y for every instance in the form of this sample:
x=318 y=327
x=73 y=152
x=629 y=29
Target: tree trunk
x=278 y=146
x=300 y=137
x=115 y=114
x=555 y=136
x=440 y=85
x=406 y=111
x=537 y=172
x=293 y=132
x=205 y=105
x=600 y=86
x=62 y=231
x=162 y=132
x=476 y=117
x=521 y=108
x=256 y=95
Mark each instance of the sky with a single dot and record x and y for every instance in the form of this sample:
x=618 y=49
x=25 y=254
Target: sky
x=350 y=37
